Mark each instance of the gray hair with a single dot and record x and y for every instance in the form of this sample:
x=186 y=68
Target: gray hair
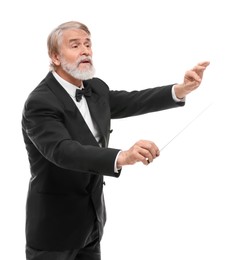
x=54 y=38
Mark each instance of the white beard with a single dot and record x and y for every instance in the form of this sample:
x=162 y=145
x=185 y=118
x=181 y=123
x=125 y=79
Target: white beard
x=72 y=69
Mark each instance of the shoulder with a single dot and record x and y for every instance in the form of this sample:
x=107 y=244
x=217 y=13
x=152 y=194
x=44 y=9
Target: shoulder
x=41 y=95
x=97 y=84
x=96 y=80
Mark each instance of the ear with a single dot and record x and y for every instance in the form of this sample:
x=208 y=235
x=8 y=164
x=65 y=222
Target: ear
x=55 y=57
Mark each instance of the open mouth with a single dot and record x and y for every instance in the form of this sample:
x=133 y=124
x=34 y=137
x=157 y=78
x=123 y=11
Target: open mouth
x=86 y=61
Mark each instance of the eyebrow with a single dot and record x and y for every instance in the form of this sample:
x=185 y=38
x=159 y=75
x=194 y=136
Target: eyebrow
x=78 y=39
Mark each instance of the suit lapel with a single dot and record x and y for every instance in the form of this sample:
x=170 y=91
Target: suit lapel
x=98 y=111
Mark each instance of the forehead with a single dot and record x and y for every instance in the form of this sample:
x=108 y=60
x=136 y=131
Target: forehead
x=75 y=34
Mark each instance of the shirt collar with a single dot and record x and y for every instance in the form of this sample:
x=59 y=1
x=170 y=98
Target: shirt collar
x=70 y=88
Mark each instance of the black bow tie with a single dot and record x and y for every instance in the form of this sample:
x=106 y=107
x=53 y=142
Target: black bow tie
x=80 y=92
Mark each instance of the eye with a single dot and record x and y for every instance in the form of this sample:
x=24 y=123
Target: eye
x=88 y=44
x=74 y=45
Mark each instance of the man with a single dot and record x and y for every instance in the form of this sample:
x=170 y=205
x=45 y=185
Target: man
x=66 y=129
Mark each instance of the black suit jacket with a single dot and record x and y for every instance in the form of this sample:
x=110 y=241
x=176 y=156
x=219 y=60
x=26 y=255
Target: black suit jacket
x=65 y=196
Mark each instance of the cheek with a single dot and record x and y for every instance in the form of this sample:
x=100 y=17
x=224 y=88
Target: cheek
x=72 y=56
x=71 y=59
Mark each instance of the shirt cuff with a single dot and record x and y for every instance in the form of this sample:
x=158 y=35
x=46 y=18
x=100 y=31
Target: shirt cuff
x=116 y=170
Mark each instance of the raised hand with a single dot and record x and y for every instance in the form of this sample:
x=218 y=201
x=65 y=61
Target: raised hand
x=192 y=80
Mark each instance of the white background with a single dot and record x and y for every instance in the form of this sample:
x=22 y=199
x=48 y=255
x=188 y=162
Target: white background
x=182 y=206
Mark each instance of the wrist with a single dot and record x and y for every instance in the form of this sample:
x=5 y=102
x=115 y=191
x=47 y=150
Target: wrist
x=179 y=91
x=120 y=160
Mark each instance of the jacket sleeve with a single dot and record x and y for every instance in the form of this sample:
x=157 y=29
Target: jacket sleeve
x=46 y=135
x=126 y=104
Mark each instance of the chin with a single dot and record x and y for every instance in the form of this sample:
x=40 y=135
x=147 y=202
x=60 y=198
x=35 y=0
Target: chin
x=85 y=75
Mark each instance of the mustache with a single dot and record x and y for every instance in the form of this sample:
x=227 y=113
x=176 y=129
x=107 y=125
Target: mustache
x=85 y=59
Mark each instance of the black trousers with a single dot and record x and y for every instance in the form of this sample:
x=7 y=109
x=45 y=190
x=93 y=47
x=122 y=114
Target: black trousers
x=90 y=252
